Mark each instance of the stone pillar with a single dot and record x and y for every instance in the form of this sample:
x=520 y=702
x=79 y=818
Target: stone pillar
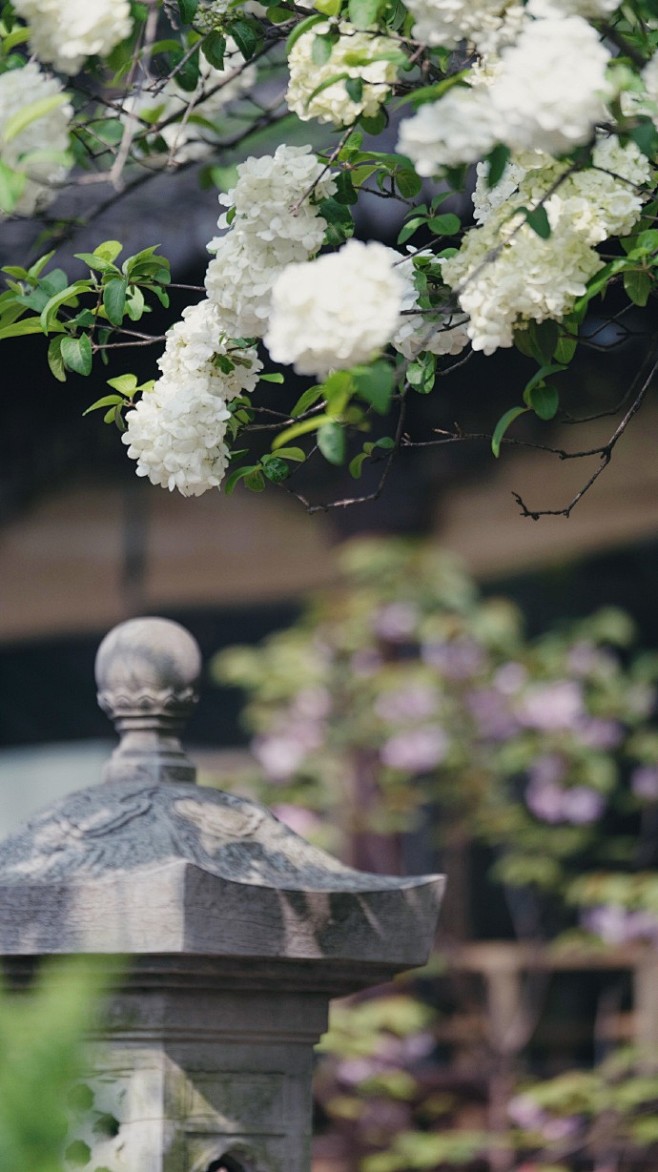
x=235 y=935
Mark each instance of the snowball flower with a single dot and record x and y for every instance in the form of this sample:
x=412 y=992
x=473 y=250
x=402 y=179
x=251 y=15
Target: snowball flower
x=177 y=430
x=447 y=22
x=64 y=33
x=339 y=310
x=460 y=128
x=38 y=151
x=352 y=54
x=590 y=9
x=549 y=92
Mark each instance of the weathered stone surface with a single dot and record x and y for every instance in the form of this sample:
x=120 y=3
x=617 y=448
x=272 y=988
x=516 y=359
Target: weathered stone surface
x=133 y=867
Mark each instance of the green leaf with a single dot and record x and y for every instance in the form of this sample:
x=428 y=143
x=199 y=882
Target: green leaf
x=354 y=87
x=331 y=442
x=12 y=186
x=645 y=136
x=638 y=285
x=303 y=27
x=446 y=224
x=410 y=228
x=255 y=481
x=542 y=339
x=17 y=36
x=364 y=13
x=275 y=469
x=135 y=303
x=55 y=360
x=308 y=399
x=236 y=476
x=114 y=299
x=248 y=36
x=187 y=9
x=302 y=428
x=375 y=123
x=109 y=249
x=321 y=49
x=125 y=384
x=375 y=384
x=329 y=7
x=544 y=400
x=274 y=377
x=98 y=263
x=27 y=325
x=31 y=113
x=297 y=455
x=501 y=427
x=408 y=183
x=421 y=374
x=213 y=48
x=538 y=220
x=77 y=354
x=105 y=401
x=497 y=160
x=67 y=296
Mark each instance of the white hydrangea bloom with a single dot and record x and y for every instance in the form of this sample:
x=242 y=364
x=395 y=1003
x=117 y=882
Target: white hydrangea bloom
x=186 y=139
x=64 y=33
x=460 y=128
x=438 y=333
x=525 y=279
x=548 y=94
x=334 y=104
x=336 y=311
x=268 y=198
x=590 y=9
x=240 y=277
x=447 y=22
x=273 y=226
x=48 y=135
x=177 y=431
x=487 y=200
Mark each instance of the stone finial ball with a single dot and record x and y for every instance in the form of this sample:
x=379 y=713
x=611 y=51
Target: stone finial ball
x=148 y=655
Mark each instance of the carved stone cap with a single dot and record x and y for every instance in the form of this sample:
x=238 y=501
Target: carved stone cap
x=147 y=672
x=140 y=868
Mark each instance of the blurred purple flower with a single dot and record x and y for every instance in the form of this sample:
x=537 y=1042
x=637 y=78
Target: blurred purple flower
x=280 y=753
x=458 y=659
x=644 y=782
x=396 y=622
x=311 y=703
x=510 y=678
x=551 y=802
x=414 y=702
x=552 y=707
x=417 y=750
x=582 y=804
x=526 y=1113
x=596 y=733
x=366 y=662
x=618 y=925
x=585 y=658
x=492 y=715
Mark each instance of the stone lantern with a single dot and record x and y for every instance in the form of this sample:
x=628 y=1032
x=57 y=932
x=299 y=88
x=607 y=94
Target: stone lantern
x=232 y=934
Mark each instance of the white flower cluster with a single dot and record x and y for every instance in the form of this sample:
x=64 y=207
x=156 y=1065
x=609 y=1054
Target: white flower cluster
x=177 y=430
x=38 y=151
x=447 y=22
x=437 y=333
x=64 y=33
x=187 y=138
x=273 y=225
x=339 y=310
x=545 y=93
x=505 y=275
x=353 y=54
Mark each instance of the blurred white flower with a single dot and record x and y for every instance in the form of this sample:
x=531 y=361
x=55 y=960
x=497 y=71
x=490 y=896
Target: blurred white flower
x=38 y=151
x=63 y=33
x=353 y=54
